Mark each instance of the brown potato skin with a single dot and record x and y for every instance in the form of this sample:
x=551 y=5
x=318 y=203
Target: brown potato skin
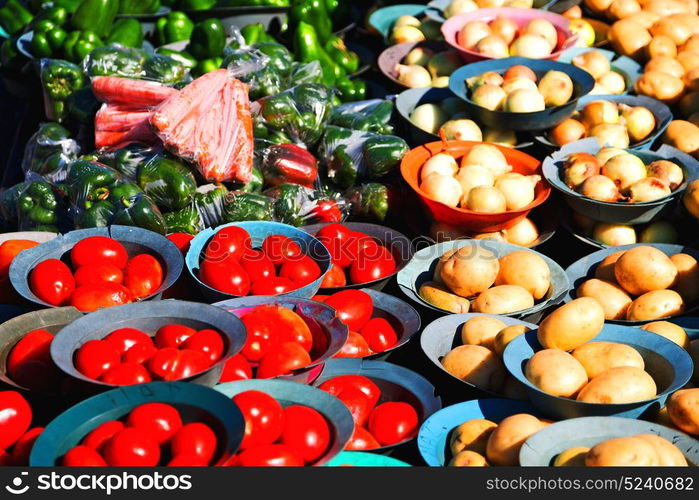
x=670 y=331
x=481 y=330
x=572 y=457
x=655 y=305
x=572 y=324
x=468 y=458
x=555 y=372
x=613 y=299
x=509 y=436
x=623 y=451
x=477 y=365
x=503 y=299
x=471 y=435
x=623 y=384
x=526 y=269
x=470 y=270
x=598 y=357
x=507 y=335
x=683 y=409
x=605 y=269
x=440 y=296
x=644 y=269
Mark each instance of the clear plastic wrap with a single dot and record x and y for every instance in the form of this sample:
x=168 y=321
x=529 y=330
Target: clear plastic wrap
x=186 y=220
x=168 y=181
x=288 y=163
x=8 y=205
x=311 y=72
x=126 y=160
x=255 y=69
x=117 y=60
x=40 y=207
x=49 y=152
x=241 y=206
x=298 y=205
x=372 y=115
x=59 y=81
x=209 y=202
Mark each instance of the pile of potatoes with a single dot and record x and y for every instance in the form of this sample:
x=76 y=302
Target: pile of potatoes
x=643 y=284
x=468 y=273
x=639 y=450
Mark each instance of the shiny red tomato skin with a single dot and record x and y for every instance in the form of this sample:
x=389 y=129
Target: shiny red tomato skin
x=165 y=363
x=208 y=342
x=23 y=447
x=194 y=439
x=355 y=347
x=264 y=418
x=172 y=335
x=337 y=250
x=261 y=336
x=379 y=334
x=89 y=298
x=320 y=298
x=357 y=392
x=229 y=243
x=236 y=368
x=83 y=456
x=282 y=359
x=227 y=277
x=280 y=248
x=34 y=346
x=258 y=265
x=126 y=374
x=132 y=447
x=181 y=240
x=372 y=265
x=92 y=274
x=15 y=417
x=301 y=270
x=354 y=307
x=143 y=275
x=393 y=422
x=273 y=286
x=305 y=431
x=124 y=339
x=96 y=357
x=271 y=455
x=334 y=232
x=161 y=421
x=362 y=440
x=95 y=249
x=52 y=282
x=99 y=436
x=335 y=277
x=139 y=353
x=191 y=363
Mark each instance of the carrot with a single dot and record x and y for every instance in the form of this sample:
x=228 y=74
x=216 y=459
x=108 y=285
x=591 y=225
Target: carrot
x=114 y=89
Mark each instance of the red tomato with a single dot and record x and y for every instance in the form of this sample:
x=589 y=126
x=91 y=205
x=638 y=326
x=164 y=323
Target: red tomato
x=379 y=334
x=89 y=298
x=15 y=417
x=271 y=455
x=97 y=249
x=282 y=359
x=161 y=421
x=126 y=374
x=191 y=362
x=320 y=298
x=34 y=346
x=227 y=277
x=273 y=286
x=52 y=282
x=334 y=232
x=186 y=461
x=257 y=265
x=139 y=353
x=393 y=422
x=261 y=336
x=355 y=347
x=9 y=250
x=229 y=243
x=96 y=357
x=327 y=211
x=23 y=447
x=357 y=392
x=301 y=270
x=290 y=327
x=181 y=241
x=362 y=440
x=125 y=338
x=353 y=307
x=208 y=342
x=172 y=335
x=143 y=275
x=280 y=248
x=132 y=447
x=164 y=363
x=97 y=438
x=82 y=456
x=338 y=251
x=305 y=431
x=194 y=440
x=334 y=277
x=372 y=265
x=236 y=368
x=264 y=418
x=99 y=272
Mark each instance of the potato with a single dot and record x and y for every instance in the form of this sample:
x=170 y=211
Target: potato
x=623 y=384
x=476 y=365
x=509 y=436
x=507 y=335
x=613 y=299
x=526 y=269
x=683 y=409
x=470 y=270
x=643 y=269
x=437 y=276
x=661 y=86
x=440 y=296
x=687 y=282
x=472 y=435
x=597 y=357
x=468 y=459
x=572 y=457
x=670 y=331
x=682 y=135
x=655 y=305
x=514 y=389
x=555 y=372
x=572 y=324
x=668 y=454
x=481 y=330
x=605 y=269
x=623 y=451
x=503 y=299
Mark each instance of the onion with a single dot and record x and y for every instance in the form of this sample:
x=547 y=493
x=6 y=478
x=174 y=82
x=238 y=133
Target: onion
x=584 y=30
x=619 y=9
x=524 y=233
x=604 y=154
x=489 y=97
x=569 y=130
x=502 y=137
x=524 y=101
x=543 y=28
x=419 y=56
x=444 y=64
x=532 y=46
x=440 y=164
x=614 y=82
x=505 y=28
x=485 y=199
x=428 y=117
x=519 y=71
x=669 y=172
x=640 y=122
x=599 y=89
x=472 y=33
x=413 y=76
x=578 y=167
x=517 y=188
x=470 y=176
x=489 y=77
x=442 y=188
x=593 y=62
x=659 y=232
x=629 y=38
x=519 y=4
x=487 y=4
x=613 y=135
x=492 y=46
x=624 y=169
x=556 y=87
x=462 y=130
x=488 y=156
x=661 y=46
x=405 y=34
x=600 y=188
x=513 y=84
x=598 y=112
x=666 y=65
x=614 y=235
x=648 y=189
x=459 y=7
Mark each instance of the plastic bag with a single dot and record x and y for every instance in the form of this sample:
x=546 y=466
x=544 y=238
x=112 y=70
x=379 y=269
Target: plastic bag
x=168 y=181
x=253 y=68
x=298 y=205
x=8 y=205
x=372 y=201
x=209 y=202
x=311 y=72
x=186 y=220
x=288 y=163
x=117 y=60
x=128 y=159
x=373 y=115
x=59 y=81
x=241 y=206
x=39 y=206
x=49 y=152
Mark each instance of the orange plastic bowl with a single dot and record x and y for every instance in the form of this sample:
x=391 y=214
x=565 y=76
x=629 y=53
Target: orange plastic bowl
x=467 y=219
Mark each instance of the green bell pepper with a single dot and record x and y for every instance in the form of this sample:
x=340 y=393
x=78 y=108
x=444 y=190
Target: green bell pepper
x=140 y=211
x=37 y=206
x=208 y=39
x=182 y=57
x=89 y=181
x=98 y=214
x=60 y=79
x=164 y=69
x=138 y=6
x=128 y=159
x=343 y=171
x=57 y=15
x=307 y=48
x=115 y=61
x=14 y=17
x=51 y=150
x=253 y=33
x=241 y=206
x=10 y=58
x=127 y=32
x=338 y=51
x=48 y=43
x=79 y=44
x=196 y=4
x=252 y=3
x=372 y=201
x=186 y=220
x=96 y=16
x=351 y=90
x=206 y=66
x=254 y=185
x=279 y=56
x=8 y=203
x=174 y=27
x=288 y=203
x=312 y=12
x=168 y=182
x=69 y=5
x=338 y=10
x=383 y=153
x=209 y=202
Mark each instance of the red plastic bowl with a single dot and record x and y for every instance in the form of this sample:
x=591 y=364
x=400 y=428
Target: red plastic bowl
x=467 y=219
x=453 y=25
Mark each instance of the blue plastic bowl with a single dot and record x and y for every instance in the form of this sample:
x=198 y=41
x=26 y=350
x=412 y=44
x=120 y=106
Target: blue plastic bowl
x=619 y=212
x=668 y=364
x=194 y=402
x=541 y=449
x=258 y=231
x=584 y=269
x=289 y=393
x=433 y=439
x=436 y=8
x=320 y=318
x=690 y=325
x=134 y=239
x=382 y=20
x=504 y=120
x=148 y=317
x=396 y=383
x=625 y=66
x=444 y=334
x=364 y=459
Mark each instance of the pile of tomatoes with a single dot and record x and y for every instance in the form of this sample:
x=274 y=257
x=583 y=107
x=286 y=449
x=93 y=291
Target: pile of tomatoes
x=16 y=438
x=367 y=335
x=102 y=275
x=151 y=434
x=357 y=257
x=375 y=425
x=29 y=363
x=274 y=436
x=231 y=265
x=130 y=356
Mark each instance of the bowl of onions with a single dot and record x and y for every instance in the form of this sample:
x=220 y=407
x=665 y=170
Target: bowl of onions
x=418 y=64
x=518 y=93
x=441 y=10
x=617 y=185
x=613 y=74
x=480 y=187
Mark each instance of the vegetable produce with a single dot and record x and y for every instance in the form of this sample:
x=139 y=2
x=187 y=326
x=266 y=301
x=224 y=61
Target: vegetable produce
x=174 y=27
x=94 y=16
x=14 y=17
x=60 y=79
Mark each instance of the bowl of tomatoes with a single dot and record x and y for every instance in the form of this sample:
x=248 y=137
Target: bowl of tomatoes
x=287 y=337
x=256 y=258
x=160 y=423
x=99 y=267
x=288 y=424
x=364 y=255
x=387 y=402
x=168 y=340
